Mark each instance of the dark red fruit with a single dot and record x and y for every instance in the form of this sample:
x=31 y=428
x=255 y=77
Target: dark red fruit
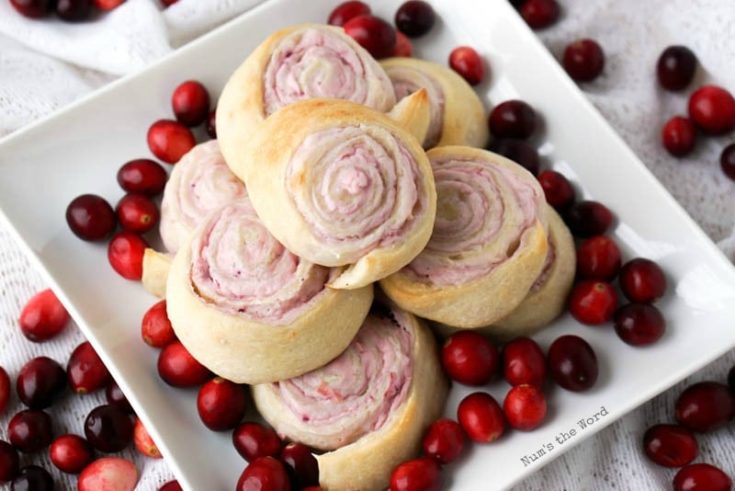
x=679 y=136
x=676 y=67
x=171 y=486
x=264 y=473
x=593 y=302
x=415 y=18
x=727 y=161
x=253 y=440
x=422 y=474
x=519 y=151
x=346 y=11
x=512 y=119
x=9 y=462
x=701 y=477
x=178 y=368
x=86 y=371
x=33 y=478
x=30 y=430
x=34 y=9
x=731 y=379
x=470 y=358
x=467 y=62
x=156 y=328
x=43 y=317
x=481 y=417
x=598 y=258
x=115 y=396
x=712 y=109
x=639 y=324
x=90 y=217
x=170 y=140
x=558 y=190
x=190 y=103
x=4 y=390
x=403 y=46
x=524 y=362
x=212 y=124
x=525 y=407
x=73 y=10
x=40 y=382
x=70 y=453
x=444 y=441
x=705 y=406
x=588 y=218
x=137 y=213
x=301 y=465
x=642 y=280
x=573 y=363
x=372 y=33
x=125 y=253
x=108 y=428
x=142 y=176
x=584 y=60
x=670 y=445
x=540 y=13
x=221 y=404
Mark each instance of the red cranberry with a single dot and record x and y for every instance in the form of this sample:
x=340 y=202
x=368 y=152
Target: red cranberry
x=346 y=11
x=403 y=46
x=30 y=430
x=253 y=440
x=540 y=13
x=588 y=218
x=115 y=396
x=212 y=124
x=598 y=258
x=90 y=217
x=301 y=465
x=470 y=358
x=525 y=407
x=40 y=382
x=421 y=474
x=559 y=192
x=731 y=379
x=512 y=119
x=73 y=10
x=705 y=406
x=170 y=140
x=106 y=5
x=444 y=441
x=168 y=3
x=467 y=62
x=573 y=363
x=33 y=478
x=9 y=462
x=171 y=486
x=87 y=373
x=639 y=324
x=156 y=327
x=584 y=60
x=142 y=176
x=670 y=445
x=481 y=417
x=221 y=404
x=642 y=280
x=701 y=477
x=125 y=253
x=70 y=453
x=137 y=213
x=415 y=18
x=727 y=161
x=34 y=9
x=519 y=151
x=679 y=136
x=4 y=390
x=190 y=103
x=676 y=67
x=178 y=368
x=108 y=428
x=372 y=33
x=593 y=302
x=43 y=317
x=264 y=473
x=524 y=362
x=143 y=441
x=712 y=109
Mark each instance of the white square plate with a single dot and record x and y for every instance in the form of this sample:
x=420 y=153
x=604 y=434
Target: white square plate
x=79 y=150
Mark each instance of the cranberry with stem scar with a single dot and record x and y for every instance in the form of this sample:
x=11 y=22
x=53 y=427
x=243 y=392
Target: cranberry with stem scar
x=593 y=302
x=481 y=417
x=156 y=328
x=142 y=176
x=86 y=371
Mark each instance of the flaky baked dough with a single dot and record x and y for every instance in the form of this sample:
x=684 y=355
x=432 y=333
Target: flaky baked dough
x=366 y=464
x=413 y=114
x=464 y=115
x=155 y=271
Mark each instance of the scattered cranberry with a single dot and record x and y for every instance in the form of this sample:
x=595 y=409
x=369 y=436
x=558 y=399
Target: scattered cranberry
x=639 y=324
x=512 y=119
x=9 y=462
x=212 y=124
x=70 y=453
x=40 y=382
x=86 y=371
x=525 y=407
x=156 y=327
x=264 y=473
x=34 y=9
x=170 y=140
x=108 y=428
x=142 y=176
x=168 y=3
x=584 y=60
x=106 y=5
x=540 y=13
x=731 y=379
x=190 y=103
x=143 y=441
x=221 y=404
x=481 y=417
x=73 y=10
x=519 y=151
x=465 y=61
x=415 y=18
x=727 y=161
x=301 y=465
x=30 y=430
x=670 y=445
x=444 y=441
x=125 y=253
x=403 y=46
x=705 y=406
x=43 y=317
x=588 y=218
x=679 y=136
x=171 y=486
x=372 y=33
x=90 y=217
x=642 y=280
x=4 y=390
x=115 y=396
x=524 y=362
x=33 y=478
x=593 y=302
x=573 y=363
x=421 y=474
x=137 y=213
x=701 y=477
x=253 y=440
x=178 y=368
x=598 y=258
x=676 y=67
x=470 y=358
x=108 y=474
x=712 y=109
x=558 y=190
x=346 y=11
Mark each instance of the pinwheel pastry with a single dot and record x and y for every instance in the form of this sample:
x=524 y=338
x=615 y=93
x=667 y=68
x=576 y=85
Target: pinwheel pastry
x=342 y=185
x=251 y=311
x=155 y=271
x=489 y=242
x=457 y=114
x=294 y=64
x=368 y=408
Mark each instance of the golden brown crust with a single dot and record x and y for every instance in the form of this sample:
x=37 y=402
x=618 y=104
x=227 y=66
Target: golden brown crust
x=155 y=271
x=412 y=113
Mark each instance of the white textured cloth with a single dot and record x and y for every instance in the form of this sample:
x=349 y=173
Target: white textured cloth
x=42 y=68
